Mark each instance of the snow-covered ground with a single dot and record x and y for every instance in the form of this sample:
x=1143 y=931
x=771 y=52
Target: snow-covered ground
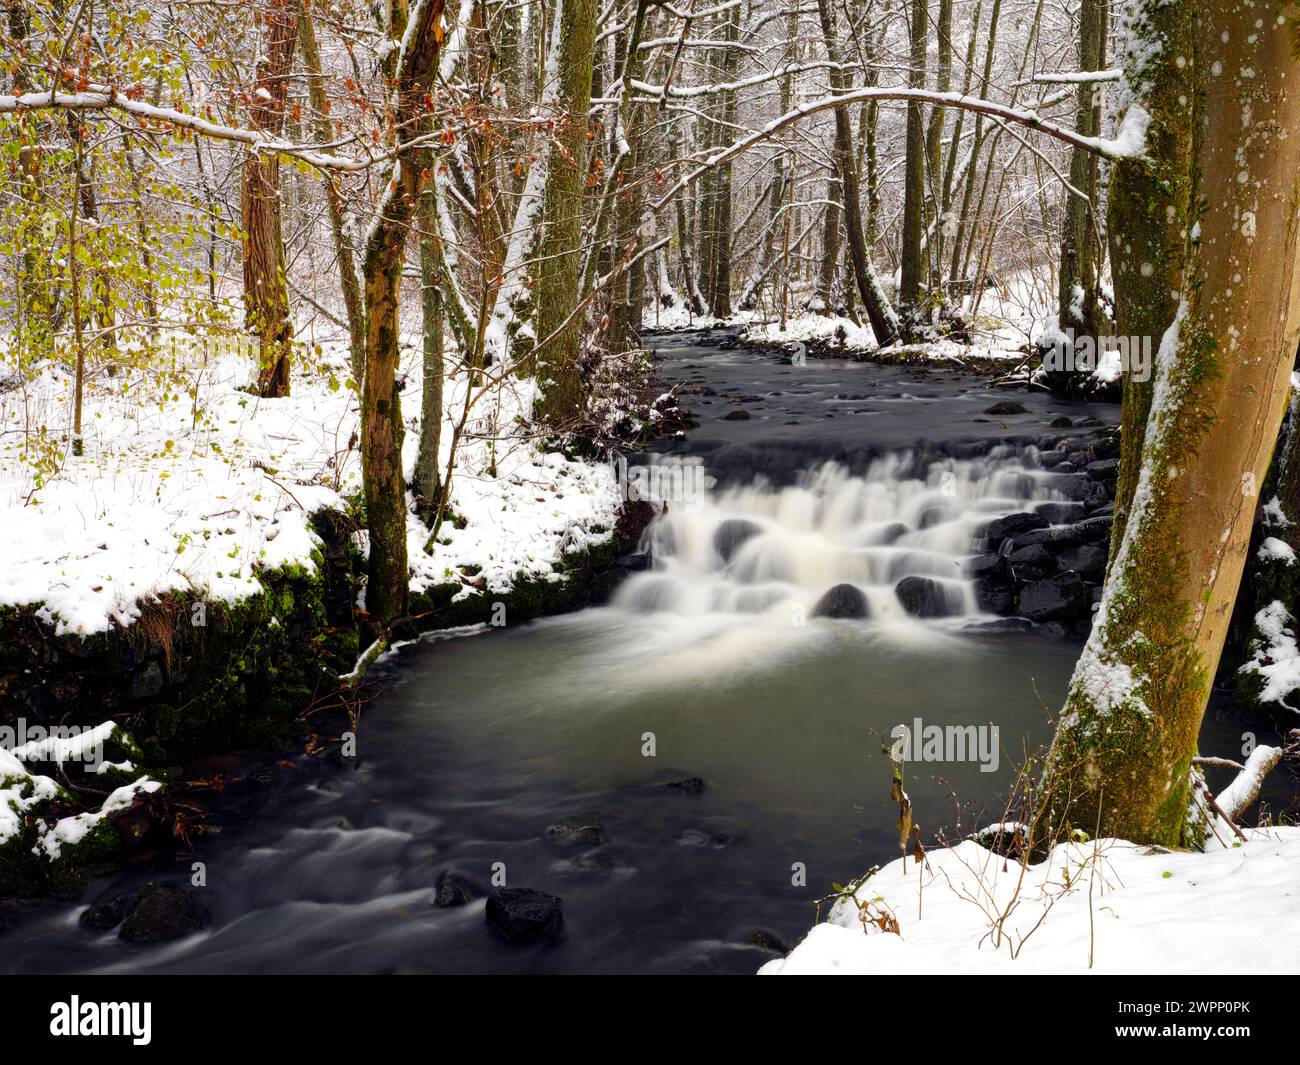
x=1104 y=907
x=1010 y=315
x=190 y=482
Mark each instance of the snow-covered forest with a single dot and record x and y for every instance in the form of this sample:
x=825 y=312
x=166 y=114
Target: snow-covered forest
x=690 y=443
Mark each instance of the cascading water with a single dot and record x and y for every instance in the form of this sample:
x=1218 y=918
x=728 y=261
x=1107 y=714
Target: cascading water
x=889 y=547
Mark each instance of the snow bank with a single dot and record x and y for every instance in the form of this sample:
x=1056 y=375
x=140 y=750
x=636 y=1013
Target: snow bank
x=190 y=483
x=1276 y=657
x=1130 y=909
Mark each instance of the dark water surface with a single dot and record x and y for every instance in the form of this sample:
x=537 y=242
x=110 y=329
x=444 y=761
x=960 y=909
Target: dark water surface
x=481 y=741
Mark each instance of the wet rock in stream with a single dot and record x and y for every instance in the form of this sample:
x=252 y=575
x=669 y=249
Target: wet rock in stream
x=522 y=915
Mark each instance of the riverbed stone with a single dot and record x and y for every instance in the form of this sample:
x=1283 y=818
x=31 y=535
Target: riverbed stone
x=160 y=912
x=1035 y=554
x=924 y=597
x=731 y=534
x=1087 y=560
x=574 y=831
x=1103 y=469
x=1011 y=525
x=995 y=596
x=105 y=915
x=456 y=889
x=987 y=565
x=1063 y=598
x=523 y=915
x=1063 y=513
x=842 y=601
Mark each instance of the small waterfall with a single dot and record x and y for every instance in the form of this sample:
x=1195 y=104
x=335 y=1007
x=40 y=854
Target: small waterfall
x=890 y=546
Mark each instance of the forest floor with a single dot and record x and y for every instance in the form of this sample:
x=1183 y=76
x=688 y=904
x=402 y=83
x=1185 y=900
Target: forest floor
x=190 y=482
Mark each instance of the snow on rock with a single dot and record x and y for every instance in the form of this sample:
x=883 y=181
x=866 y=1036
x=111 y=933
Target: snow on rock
x=19 y=793
x=196 y=486
x=1273 y=549
x=1276 y=658
x=831 y=330
x=1128 y=908
x=69 y=831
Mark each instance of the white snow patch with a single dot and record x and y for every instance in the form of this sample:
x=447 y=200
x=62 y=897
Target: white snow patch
x=1274 y=549
x=1133 y=909
x=1276 y=657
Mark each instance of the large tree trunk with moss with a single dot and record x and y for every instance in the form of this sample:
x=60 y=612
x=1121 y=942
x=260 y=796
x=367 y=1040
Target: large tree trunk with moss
x=1121 y=758
x=266 y=289
x=558 y=321
x=1149 y=206
x=381 y=414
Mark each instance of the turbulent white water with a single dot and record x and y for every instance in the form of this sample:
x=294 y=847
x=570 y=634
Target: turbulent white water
x=775 y=552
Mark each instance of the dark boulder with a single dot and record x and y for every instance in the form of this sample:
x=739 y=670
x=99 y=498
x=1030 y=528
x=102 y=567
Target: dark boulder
x=731 y=534
x=522 y=915
x=1063 y=513
x=1074 y=486
x=1092 y=530
x=1062 y=598
x=766 y=940
x=161 y=912
x=887 y=535
x=994 y=596
x=1007 y=406
x=736 y=416
x=456 y=889
x=105 y=915
x=1103 y=469
x=842 y=601
x=576 y=830
x=1030 y=555
x=686 y=785
x=1087 y=560
x=924 y=597
x=986 y=566
x=1012 y=525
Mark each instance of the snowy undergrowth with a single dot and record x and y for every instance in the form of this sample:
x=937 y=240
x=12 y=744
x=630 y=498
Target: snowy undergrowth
x=1275 y=658
x=1010 y=314
x=25 y=794
x=1105 y=907
x=190 y=483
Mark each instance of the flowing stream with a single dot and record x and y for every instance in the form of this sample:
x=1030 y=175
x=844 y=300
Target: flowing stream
x=713 y=664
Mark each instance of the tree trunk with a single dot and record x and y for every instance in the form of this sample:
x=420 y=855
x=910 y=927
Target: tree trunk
x=830 y=248
x=381 y=415
x=558 y=320
x=1077 y=304
x=934 y=142
x=266 y=290
x=884 y=323
x=909 y=285
x=340 y=222
x=1122 y=754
